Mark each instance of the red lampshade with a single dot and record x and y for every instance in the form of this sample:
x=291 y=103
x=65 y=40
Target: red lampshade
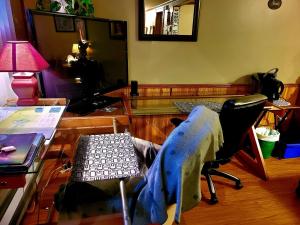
x=20 y=56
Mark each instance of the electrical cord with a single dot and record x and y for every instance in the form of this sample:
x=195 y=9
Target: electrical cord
x=33 y=206
x=42 y=191
x=61 y=169
x=67 y=167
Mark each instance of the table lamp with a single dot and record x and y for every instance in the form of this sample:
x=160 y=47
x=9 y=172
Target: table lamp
x=23 y=58
x=75 y=50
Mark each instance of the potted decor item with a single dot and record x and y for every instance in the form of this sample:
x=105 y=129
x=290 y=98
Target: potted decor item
x=75 y=7
x=83 y=7
x=62 y=6
x=58 y=5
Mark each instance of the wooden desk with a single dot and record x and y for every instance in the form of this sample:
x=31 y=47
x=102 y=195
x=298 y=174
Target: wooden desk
x=150 y=116
x=281 y=114
x=68 y=131
x=73 y=125
x=151 y=121
x=14 y=202
x=108 y=120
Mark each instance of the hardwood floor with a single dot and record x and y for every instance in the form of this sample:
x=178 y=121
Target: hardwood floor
x=259 y=202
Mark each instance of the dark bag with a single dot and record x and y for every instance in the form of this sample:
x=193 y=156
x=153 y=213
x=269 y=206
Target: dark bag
x=267 y=84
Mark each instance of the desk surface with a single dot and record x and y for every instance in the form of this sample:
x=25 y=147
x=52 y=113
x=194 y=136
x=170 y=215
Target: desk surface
x=115 y=109
x=30 y=119
x=156 y=112
x=160 y=106
x=165 y=105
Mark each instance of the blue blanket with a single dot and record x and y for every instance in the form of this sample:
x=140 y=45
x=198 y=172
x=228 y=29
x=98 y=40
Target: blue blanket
x=174 y=176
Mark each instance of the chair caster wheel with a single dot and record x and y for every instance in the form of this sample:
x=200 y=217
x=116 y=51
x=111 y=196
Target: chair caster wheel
x=238 y=185
x=213 y=200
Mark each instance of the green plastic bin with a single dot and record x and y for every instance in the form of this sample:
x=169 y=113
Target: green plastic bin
x=267 y=139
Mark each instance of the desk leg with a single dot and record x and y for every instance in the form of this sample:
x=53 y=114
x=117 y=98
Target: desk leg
x=126 y=216
x=258 y=163
x=260 y=117
x=282 y=119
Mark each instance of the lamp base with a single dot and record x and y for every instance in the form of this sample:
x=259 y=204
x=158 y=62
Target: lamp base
x=25 y=85
x=27 y=101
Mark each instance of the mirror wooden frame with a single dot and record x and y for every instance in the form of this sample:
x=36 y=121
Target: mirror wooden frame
x=164 y=37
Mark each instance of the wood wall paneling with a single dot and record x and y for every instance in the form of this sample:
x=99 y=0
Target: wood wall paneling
x=154 y=128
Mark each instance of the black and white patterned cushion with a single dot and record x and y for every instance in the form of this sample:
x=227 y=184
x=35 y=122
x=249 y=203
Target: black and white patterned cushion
x=105 y=156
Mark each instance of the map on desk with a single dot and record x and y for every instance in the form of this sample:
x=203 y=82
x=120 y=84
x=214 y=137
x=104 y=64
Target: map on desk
x=104 y=156
x=30 y=119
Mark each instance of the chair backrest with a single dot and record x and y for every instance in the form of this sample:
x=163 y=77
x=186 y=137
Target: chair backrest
x=236 y=117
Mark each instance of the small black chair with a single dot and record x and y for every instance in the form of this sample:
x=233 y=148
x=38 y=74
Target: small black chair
x=237 y=116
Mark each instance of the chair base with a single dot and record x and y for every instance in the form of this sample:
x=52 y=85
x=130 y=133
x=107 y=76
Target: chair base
x=211 y=187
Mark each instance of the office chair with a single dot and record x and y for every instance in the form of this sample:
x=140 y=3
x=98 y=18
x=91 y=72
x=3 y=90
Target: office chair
x=237 y=116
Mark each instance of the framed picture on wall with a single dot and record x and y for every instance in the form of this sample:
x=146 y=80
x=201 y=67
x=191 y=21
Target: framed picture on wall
x=64 y=24
x=117 y=30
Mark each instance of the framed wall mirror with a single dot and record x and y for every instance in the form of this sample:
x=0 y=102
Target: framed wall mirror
x=168 y=20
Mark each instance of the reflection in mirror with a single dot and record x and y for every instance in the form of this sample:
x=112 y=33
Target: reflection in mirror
x=57 y=37
x=172 y=20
